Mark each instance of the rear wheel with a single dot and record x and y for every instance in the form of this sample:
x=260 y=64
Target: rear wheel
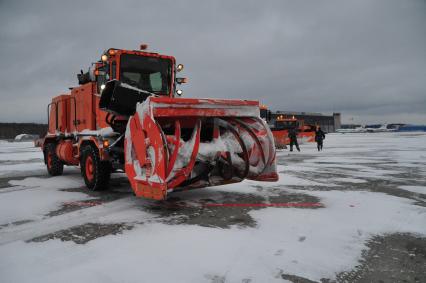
x=96 y=173
x=54 y=165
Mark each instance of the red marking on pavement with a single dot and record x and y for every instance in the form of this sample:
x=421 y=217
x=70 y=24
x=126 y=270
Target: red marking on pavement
x=283 y=204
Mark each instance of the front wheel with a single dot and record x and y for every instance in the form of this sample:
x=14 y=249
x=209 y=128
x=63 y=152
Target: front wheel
x=96 y=173
x=54 y=165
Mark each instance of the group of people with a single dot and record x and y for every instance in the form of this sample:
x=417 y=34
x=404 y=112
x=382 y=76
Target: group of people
x=319 y=138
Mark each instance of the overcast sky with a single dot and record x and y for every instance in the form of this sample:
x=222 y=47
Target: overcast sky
x=365 y=59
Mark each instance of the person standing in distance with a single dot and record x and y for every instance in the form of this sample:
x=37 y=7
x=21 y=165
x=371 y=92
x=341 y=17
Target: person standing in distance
x=292 y=134
x=319 y=138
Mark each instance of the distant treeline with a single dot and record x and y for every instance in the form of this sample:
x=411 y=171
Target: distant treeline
x=11 y=130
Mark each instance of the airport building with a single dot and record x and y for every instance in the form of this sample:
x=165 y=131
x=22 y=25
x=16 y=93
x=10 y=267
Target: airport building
x=328 y=123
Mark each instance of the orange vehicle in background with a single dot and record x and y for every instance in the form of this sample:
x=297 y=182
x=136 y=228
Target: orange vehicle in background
x=281 y=125
x=306 y=132
x=280 y=130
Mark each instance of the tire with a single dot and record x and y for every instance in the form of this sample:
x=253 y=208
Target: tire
x=96 y=173
x=54 y=165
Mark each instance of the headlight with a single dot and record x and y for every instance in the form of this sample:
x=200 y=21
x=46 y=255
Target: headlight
x=179 y=92
x=179 y=67
x=104 y=58
x=102 y=87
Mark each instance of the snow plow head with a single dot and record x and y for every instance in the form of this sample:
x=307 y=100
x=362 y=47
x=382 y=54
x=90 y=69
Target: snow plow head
x=174 y=144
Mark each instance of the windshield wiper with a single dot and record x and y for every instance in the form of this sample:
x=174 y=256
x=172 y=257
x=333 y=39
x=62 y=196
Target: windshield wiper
x=137 y=89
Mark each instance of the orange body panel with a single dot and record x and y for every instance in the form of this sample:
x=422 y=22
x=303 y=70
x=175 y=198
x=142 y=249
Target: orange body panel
x=150 y=190
x=77 y=111
x=307 y=136
x=59 y=113
x=84 y=117
x=100 y=114
x=307 y=132
x=191 y=107
x=281 y=138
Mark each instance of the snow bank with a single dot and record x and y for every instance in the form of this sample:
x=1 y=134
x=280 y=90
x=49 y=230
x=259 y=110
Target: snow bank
x=26 y=137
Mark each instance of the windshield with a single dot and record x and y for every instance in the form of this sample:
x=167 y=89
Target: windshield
x=285 y=124
x=147 y=73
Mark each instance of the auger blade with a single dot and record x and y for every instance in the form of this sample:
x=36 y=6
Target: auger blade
x=177 y=144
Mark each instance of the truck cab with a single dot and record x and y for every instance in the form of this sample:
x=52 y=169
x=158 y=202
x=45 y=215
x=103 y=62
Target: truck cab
x=96 y=111
x=282 y=123
x=147 y=71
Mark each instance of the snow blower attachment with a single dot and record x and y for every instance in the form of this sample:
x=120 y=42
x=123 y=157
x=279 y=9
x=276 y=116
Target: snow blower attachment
x=125 y=116
x=175 y=144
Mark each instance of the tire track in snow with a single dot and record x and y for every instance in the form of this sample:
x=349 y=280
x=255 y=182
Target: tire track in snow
x=17 y=189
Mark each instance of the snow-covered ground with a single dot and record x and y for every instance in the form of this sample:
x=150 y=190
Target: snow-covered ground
x=329 y=206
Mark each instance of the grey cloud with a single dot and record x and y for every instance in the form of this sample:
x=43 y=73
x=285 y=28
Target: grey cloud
x=363 y=58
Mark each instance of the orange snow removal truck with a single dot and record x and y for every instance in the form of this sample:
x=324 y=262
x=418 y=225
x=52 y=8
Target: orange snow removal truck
x=125 y=116
x=281 y=124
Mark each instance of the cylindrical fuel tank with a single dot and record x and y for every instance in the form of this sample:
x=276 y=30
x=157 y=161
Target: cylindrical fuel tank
x=65 y=152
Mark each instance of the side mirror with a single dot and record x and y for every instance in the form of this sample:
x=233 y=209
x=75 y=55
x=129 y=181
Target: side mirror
x=181 y=80
x=83 y=78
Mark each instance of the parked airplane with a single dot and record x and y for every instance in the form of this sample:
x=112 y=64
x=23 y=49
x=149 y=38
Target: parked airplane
x=351 y=129
x=376 y=128
x=380 y=128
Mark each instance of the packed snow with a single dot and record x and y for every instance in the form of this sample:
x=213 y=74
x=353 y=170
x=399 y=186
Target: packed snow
x=104 y=132
x=415 y=189
x=26 y=137
x=366 y=184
